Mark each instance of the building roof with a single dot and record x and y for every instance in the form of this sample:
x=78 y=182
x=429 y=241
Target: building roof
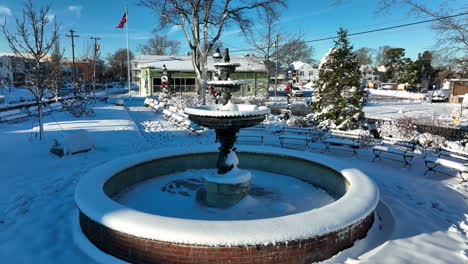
x=297 y=65
x=184 y=63
x=27 y=55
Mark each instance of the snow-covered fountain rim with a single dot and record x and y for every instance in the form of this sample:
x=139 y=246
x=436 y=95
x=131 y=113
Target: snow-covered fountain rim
x=358 y=202
x=212 y=111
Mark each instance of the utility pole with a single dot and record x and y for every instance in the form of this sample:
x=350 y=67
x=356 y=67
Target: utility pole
x=72 y=36
x=96 y=48
x=276 y=64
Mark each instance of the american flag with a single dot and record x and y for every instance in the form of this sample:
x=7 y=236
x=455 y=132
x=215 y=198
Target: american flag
x=122 y=21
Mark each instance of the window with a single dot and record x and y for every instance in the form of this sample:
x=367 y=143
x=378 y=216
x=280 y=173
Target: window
x=156 y=85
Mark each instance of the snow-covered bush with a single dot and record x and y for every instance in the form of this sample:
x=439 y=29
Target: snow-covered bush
x=403 y=128
x=428 y=140
x=297 y=121
x=79 y=107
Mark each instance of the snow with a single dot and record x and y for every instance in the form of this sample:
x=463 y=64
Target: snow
x=231 y=159
x=229 y=107
x=213 y=111
x=223 y=64
x=341 y=141
x=273 y=195
x=426 y=219
x=448 y=163
x=421 y=111
x=359 y=201
x=77 y=141
x=397 y=93
x=228 y=82
x=234 y=176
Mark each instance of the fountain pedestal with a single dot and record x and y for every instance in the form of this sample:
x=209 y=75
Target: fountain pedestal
x=231 y=184
x=224 y=194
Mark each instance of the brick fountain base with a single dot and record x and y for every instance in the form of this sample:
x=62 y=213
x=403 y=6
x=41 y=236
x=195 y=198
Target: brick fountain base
x=155 y=241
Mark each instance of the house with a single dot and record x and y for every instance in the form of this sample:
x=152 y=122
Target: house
x=147 y=72
x=83 y=68
x=17 y=70
x=14 y=69
x=371 y=75
x=458 y=88
x=302 y=72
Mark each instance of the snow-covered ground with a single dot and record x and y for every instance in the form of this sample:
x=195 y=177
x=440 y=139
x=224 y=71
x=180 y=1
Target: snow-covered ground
x=418 y=109
x=422 y=219
x=397 y=93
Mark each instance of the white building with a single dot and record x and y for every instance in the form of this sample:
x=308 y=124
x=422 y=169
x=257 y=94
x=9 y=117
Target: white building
x=6 y=72
x=303 y=72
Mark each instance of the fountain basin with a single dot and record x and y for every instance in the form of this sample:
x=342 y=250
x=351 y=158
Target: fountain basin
x=300 y=238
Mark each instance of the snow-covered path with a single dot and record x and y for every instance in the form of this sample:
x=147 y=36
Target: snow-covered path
x=159 y=132
x=429 y=213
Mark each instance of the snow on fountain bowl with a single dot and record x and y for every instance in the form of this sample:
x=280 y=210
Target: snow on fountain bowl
x=305 y=237
x=227 y=116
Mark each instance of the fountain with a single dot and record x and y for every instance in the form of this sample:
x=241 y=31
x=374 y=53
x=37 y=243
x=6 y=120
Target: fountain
x=231 y=184
x=127 y=232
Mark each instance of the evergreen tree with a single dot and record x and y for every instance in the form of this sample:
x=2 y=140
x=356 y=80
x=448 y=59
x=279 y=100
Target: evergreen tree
x=338 y=102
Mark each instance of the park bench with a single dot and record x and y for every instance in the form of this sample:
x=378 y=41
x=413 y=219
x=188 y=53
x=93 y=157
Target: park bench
x=251 y=135
x=395 y=148
x=447 y=158
x=148 y=102
x=192 y=127
x=343 y=140
x=298 y=136
x=12 y=115
x=57 y=106
x=34 y=110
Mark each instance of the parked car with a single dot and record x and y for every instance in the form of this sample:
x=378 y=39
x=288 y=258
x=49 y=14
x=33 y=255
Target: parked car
x=440 y=95
x=296 y=91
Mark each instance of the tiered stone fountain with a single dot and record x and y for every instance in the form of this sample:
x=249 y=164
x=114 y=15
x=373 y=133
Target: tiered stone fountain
x=231 y=184
x=124 y=232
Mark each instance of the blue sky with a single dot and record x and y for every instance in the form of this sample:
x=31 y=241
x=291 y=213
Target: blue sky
x=315 y=18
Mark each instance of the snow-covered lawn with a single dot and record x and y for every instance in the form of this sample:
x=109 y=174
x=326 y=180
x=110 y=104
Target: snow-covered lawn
x=417 y=109
x=427 y=223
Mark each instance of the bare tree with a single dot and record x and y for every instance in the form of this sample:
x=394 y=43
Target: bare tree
x=34 y=38
x=453 y=31
x=380 y=55
x=203 y=22
x=364 y=56
x=54 y=69
x=263 y=38
x=160 y=45
x=293 y=48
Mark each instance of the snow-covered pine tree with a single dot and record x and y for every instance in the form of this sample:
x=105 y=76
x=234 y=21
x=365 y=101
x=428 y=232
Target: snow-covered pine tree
x=338 y=101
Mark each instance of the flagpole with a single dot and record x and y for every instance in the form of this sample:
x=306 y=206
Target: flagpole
x=128 y=55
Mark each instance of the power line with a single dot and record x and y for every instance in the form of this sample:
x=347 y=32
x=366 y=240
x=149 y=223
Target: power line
x=370 y=31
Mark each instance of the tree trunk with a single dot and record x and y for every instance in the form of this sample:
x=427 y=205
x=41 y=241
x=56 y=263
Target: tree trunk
x=41 y=123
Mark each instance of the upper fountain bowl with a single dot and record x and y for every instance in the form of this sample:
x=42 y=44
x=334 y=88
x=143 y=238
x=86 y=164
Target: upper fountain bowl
x=222 y=117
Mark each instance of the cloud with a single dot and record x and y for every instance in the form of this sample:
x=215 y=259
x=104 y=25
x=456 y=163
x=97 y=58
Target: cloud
x=75 y=9
x=5 y=11
x=50 y=17
x=174 y=29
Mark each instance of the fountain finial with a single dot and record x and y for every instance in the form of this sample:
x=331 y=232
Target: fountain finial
x=226 y=56
x=217 y=55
